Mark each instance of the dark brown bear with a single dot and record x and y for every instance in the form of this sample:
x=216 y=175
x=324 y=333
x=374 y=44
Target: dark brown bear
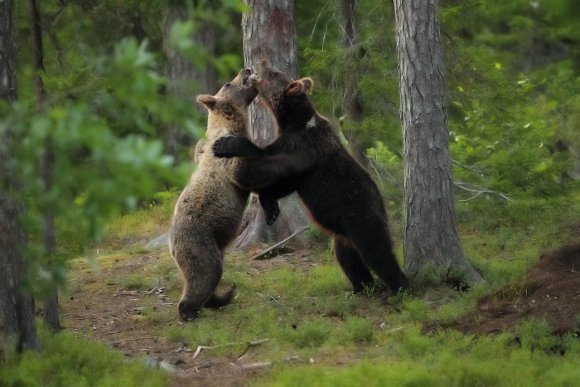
x=310 y=159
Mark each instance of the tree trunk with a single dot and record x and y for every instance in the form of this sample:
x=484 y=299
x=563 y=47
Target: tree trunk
x=185 y=79
x=352 y=99
x=16 y=307
x=268 y=33
x=50 y=301
x=431 y=240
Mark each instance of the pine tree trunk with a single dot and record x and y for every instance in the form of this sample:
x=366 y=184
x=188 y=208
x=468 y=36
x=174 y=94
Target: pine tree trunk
x=16 y=307
x=431 y=239
x=46 y=164
x=352 y=99
x=185 y=79
x=268 y=33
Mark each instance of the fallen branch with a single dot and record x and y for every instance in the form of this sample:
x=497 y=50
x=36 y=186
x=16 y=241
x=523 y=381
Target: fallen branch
x=255 y=366
x=269 y=249
x=250 y=344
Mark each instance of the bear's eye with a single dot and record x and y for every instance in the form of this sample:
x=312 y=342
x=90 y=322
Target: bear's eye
x=228 y=84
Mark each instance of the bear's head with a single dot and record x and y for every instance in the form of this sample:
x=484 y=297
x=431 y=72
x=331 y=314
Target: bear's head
x=239 y=91
x=228 y=108
x=284 y=95
x=224 y=116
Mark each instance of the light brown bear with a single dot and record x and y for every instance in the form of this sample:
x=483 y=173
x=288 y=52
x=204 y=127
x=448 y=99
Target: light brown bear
x=209 y=211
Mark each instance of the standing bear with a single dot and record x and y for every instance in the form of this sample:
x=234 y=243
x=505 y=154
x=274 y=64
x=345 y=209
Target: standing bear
x=339 y=193
x=209 y=211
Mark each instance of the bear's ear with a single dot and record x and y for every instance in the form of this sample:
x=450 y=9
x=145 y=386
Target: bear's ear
x=295 y=88
x=207 y=100
x=308 y=84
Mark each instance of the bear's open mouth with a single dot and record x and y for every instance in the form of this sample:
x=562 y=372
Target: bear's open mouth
x=246 y=73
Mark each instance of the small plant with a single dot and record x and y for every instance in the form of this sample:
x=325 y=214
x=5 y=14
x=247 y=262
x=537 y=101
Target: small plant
x=357 y=330
x=136 y=282
x=537 y=335
x=310 y=334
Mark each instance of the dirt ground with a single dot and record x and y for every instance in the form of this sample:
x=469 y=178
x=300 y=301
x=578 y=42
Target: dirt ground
x=99 y=308
x=551 y=291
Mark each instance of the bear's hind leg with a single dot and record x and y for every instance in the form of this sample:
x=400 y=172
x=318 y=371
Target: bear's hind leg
x=270 y=206
x=201 y=267
x=351 y=264
x=374 y=244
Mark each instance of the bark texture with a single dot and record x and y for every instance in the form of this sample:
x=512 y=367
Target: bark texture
x=352 y=98
x=16 y=306
x=185 y=79
x=431 y=239
x=268 y=33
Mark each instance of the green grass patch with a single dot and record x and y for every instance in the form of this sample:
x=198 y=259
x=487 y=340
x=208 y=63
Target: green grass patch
x=444 y=359
x=68 y=360
x=125 y=230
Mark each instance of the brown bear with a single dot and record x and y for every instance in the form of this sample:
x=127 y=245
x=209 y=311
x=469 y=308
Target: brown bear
x=338 y=192
x=209 y=211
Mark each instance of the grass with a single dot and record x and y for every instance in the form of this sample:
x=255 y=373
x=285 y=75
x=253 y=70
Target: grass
x=320 y=334
x=69 y=360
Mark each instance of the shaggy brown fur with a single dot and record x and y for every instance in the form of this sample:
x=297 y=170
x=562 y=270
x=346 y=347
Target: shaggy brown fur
x=209 y=210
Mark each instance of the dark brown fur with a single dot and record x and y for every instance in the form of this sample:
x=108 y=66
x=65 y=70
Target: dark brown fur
x=309 y=158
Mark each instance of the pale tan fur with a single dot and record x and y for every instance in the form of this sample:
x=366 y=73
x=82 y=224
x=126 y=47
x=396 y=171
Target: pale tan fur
x=209 y=211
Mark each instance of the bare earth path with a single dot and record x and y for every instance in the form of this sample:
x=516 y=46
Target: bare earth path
x=99 y=308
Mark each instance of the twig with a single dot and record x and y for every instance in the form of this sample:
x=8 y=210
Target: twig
x=265 y=252
x=155 y=288
x=480 y=190
x=250 y=345
x=470 y=169
x=254 y=366
x=125 y=293
x=202 y=347
x=397 y=329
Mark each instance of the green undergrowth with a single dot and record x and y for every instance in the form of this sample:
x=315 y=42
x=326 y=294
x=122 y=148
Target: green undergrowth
x=447 y=358
x=68 y=360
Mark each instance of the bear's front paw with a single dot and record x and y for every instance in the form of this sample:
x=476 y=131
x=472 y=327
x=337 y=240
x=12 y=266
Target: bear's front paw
x=225 y=146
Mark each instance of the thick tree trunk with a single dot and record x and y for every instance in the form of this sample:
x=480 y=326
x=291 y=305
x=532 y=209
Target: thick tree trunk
x=16 y=307
x=431 y=240
x=185 y=79
x=352 y=99
x=50 y=300
x=268 y=30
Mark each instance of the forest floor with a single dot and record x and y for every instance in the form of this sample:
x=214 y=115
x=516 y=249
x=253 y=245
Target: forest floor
x=113 y=305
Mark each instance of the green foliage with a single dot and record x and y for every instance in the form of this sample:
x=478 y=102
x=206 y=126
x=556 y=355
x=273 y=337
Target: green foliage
x=99 y=166
x=102 y=117
x=69 y=360
x=512 y=92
